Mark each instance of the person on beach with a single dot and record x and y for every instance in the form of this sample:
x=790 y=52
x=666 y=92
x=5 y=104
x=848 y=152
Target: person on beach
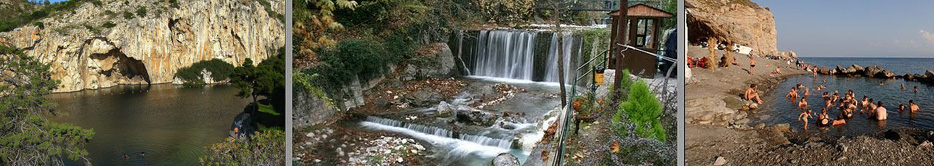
x=913 y=106
x=792 y=95
x=880 y=112
x=752 y=64
x=752 y=95
x=803 y=104
x=777 y=71
x=803 y=117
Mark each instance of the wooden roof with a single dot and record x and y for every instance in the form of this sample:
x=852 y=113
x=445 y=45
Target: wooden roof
x=642 y=10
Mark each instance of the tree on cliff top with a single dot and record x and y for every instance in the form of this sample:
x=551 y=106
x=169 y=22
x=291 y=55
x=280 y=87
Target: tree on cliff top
x=26 y=136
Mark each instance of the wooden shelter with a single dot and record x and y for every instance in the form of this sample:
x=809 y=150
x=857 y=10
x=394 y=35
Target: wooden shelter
x=643 y=33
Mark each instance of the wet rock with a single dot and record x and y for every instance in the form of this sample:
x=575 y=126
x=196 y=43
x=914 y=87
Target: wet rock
x=475 y=117
x=444 y=108
x=423 y=98
x=928 y=74
x=505 y=159
x=926 y=144
x=784 y=127
x=885 y=74
x=872 y=71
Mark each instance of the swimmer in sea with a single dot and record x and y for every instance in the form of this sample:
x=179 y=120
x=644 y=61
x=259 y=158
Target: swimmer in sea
x=913 y=106
x=916 y=89
x=792 y=95
x=903 y=86
x=881 y=113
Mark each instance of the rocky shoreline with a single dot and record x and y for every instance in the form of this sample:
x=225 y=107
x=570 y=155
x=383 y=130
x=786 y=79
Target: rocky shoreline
x=719 y=133
x=875 y=71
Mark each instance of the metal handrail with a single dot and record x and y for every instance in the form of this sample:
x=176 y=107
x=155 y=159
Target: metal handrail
x=568 y=112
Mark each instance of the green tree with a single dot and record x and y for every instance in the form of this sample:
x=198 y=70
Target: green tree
x=26 y=136
x=267 y=79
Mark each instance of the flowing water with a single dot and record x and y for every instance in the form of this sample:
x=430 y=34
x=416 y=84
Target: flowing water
x=777 y=109
x=171 y=124
x=520 y=54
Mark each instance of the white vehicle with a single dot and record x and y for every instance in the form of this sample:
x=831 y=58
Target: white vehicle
x=741 y=49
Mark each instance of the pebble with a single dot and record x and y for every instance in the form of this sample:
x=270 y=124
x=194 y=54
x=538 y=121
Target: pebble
x=720 y=161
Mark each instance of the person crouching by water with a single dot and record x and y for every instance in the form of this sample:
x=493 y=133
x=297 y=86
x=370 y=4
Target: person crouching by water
x=803 y=117
x=881 y=113
x=752 y=96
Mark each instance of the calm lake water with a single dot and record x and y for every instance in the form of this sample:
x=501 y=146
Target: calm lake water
x=171 y=124
x=899 y=66
x=777 y=109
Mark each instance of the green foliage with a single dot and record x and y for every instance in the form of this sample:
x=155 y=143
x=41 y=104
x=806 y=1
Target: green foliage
x=265 y=148
x=39 y=24
x=594 y=42
x=269 y=11
x=92 y=29
x=26 y=136
x=109 y=24
x=141 y=12
x=643 y=109
x=127 y=15
x=624 y=84
x=312 y=20
x=97 y=2
x=110 y=13
x=24 y=18
x=173 y=3
x=506 y=12
x=219 y=69
x=266 y=79
x=354 y=57
x=306 y=82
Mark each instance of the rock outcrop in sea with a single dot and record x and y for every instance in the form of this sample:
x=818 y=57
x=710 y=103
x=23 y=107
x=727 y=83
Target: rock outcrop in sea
x=98 y=46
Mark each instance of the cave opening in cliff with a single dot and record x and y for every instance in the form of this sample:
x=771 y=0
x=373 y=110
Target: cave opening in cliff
x=698 y=31
x=119 y=67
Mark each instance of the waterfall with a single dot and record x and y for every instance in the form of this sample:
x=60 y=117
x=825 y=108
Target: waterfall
x=522 y=55
x=504 y=143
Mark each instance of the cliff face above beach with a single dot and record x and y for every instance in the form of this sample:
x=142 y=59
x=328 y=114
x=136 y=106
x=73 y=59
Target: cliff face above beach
x=740 y=21
x=109 y=43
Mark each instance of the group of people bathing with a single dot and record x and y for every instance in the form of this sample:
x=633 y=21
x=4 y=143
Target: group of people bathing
x=848 y=104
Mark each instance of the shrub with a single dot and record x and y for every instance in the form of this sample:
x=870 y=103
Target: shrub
x=141 y=12
x=127 y=15
x=40 y=25
x=173 y=3
x=265 y=148
x=360 y=57
x=97 y=2
x=109 y=24
x=219 y=69
x=643 y=110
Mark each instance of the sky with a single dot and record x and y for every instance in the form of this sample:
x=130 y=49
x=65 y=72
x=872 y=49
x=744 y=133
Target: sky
x=860 y=28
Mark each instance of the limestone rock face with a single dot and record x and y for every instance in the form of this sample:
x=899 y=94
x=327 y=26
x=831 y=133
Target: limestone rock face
x=84 y=54
x=742 y=23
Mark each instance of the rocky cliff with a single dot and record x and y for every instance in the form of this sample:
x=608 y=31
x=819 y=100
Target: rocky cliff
x=737 y=21
x=138 y=42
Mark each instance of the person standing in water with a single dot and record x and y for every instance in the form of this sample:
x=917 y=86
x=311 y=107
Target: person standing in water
x=803 y=117
x=881 y=113
x=806 y=93
x=903 y=87
x=913 y=106
x=803 y=104
x=916 y=89
x=792 y=95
